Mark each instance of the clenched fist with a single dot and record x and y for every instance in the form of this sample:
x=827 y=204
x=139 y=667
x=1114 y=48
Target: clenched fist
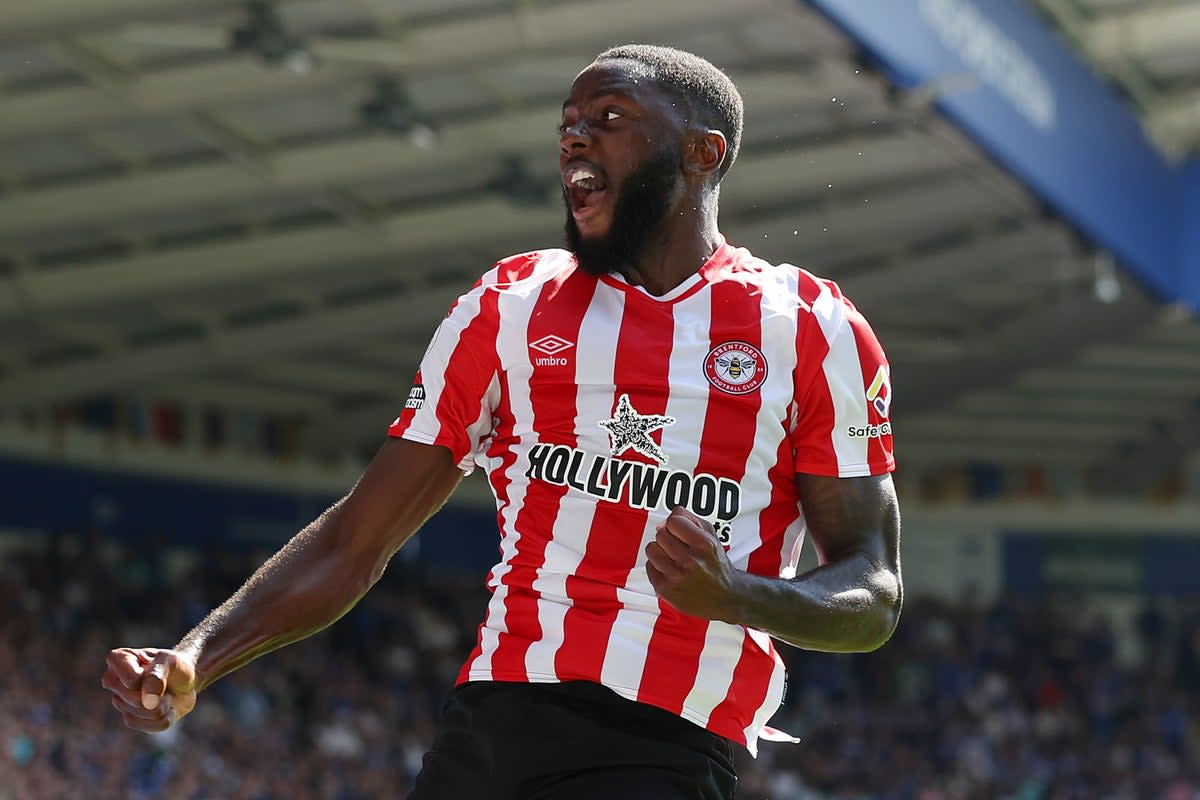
x=689 y=568
x=151 y=687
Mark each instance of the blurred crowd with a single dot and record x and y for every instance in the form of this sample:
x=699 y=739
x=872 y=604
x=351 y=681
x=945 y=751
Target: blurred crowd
x=1020 y=699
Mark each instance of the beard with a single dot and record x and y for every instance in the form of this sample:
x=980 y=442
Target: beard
x=643 y=200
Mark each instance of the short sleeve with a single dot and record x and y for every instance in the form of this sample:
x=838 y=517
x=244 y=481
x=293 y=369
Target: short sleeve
x=841 y=423
x=456 y=388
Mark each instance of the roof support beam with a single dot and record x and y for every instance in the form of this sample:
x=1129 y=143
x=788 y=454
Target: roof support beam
x=33 y=20
x=407 y=235
x=367 y=155
x=1054 y=335
x=1153 y=31
x=920 y=274
x=305 y=167
x=272 y=255
x=1175 y=119
x=1137 y=465
x=144 y=366
x=203 y=125
x=283 y=254
x=462 y=43
x=325 y=378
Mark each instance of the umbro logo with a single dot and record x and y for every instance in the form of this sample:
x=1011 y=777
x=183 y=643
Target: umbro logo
x=550 y=347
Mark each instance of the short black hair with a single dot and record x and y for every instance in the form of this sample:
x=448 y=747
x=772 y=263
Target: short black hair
x=711 y=93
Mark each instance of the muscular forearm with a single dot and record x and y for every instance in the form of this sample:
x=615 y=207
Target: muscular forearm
x=846 y=606
x=326 y=568
x=311 y=582
x=850 y=603
x=317 y=577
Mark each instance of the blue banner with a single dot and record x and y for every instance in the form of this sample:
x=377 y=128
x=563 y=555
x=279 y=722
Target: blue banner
x=1189 y=227
x=134 y=508
x=1012 y=85
x=50 y=496
x=1073 y=562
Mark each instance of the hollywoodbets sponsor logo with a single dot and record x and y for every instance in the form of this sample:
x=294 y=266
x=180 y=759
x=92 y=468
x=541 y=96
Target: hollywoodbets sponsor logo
x=643 y=486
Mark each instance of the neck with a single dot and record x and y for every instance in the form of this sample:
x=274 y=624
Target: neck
x=686 y=239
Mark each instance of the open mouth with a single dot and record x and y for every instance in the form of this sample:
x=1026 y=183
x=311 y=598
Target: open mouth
x=585 y=186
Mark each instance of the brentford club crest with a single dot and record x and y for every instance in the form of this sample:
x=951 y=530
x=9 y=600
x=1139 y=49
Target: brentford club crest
x=735 y=367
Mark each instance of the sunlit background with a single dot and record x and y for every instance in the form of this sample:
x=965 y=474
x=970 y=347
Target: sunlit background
x=228 y=229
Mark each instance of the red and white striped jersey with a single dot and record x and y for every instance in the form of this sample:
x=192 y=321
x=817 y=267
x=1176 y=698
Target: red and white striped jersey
x=596 y=408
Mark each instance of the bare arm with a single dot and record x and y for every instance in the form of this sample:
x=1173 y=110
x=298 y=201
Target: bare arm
x=850 y=603
x=312 y=581
x=326 y=568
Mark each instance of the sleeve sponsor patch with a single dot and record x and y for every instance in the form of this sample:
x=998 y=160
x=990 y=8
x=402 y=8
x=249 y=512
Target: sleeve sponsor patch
x=416 y=397
x=879 y=393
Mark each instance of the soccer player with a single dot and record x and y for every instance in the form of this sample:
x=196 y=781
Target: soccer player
x=662 y=418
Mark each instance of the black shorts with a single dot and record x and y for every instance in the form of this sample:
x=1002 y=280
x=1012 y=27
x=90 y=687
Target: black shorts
x=569 y=741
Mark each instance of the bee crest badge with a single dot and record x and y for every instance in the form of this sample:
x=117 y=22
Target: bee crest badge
x=735 y=367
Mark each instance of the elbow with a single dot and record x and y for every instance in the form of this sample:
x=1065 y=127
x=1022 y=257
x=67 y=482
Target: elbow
x=864 y=628
x=877 y=615
x=881 y=629
x=885 y=616
x=871 y=633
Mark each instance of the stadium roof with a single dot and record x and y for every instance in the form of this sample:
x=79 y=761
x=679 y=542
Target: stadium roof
x=1151 y=50
x=276 y=220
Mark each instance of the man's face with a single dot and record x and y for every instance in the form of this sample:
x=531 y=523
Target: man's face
x=620 y=159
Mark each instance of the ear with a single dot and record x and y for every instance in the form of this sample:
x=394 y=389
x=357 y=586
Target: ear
x=704 y=153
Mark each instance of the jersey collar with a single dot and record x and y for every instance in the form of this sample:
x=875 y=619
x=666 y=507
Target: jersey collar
x=720 y=259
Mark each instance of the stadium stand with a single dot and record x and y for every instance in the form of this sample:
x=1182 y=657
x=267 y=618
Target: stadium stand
x=1023 y=698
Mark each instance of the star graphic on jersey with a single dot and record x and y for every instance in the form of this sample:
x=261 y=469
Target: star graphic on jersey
x=629 y=429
